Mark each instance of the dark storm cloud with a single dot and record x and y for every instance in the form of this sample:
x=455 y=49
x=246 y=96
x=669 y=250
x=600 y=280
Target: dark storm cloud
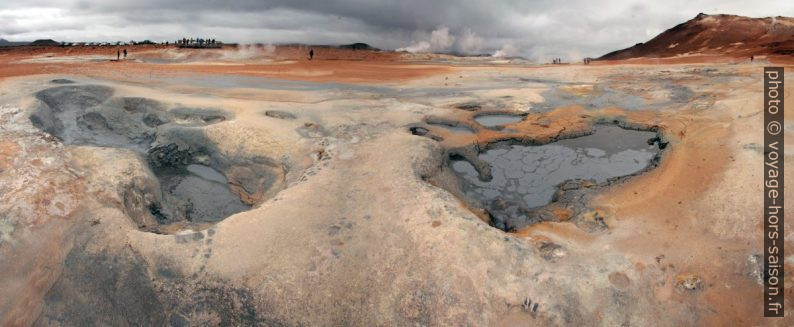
x=536 y=29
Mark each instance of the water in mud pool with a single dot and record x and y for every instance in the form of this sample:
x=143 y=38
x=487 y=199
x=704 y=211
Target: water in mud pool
x=526 y=177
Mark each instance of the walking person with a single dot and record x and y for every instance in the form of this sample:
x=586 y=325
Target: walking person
x=125 y=54
x=118 y=54
x=311 y=54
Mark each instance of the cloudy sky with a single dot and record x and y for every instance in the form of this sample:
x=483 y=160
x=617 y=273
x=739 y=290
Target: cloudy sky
x=536 y=29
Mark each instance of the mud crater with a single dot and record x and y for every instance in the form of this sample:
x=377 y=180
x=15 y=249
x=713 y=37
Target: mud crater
x=195 y=183
x=518 y=184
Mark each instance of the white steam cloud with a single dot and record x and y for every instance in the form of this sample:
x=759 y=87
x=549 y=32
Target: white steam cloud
x=508 y=50
x=440 y=41
x=470 y=43
x=250 y=51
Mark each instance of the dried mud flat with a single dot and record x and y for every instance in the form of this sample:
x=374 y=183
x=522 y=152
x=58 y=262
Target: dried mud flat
x=191 y=198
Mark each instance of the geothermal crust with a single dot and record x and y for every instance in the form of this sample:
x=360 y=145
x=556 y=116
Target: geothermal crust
x=202 y=196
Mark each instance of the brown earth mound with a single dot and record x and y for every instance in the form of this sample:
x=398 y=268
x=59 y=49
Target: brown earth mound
x=717 y=34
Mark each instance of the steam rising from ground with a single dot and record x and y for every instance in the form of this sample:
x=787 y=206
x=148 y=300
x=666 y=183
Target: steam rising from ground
x=249 y=51
x=467 y=42
x=243 y=52
x=508 y=50
x=440 y=41
x=470 y=43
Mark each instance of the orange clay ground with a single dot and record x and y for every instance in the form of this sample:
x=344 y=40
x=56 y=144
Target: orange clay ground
x=365 y=228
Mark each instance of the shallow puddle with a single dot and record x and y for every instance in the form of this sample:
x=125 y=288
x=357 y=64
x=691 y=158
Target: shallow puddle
x=456 y=129
x=494 y=120
x=526 y=177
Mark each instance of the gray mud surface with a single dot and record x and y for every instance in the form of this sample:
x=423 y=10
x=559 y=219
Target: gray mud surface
x=527 y=177
x=203 y=191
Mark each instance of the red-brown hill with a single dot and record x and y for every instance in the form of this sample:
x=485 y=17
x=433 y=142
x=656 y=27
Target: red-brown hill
x=728 y=35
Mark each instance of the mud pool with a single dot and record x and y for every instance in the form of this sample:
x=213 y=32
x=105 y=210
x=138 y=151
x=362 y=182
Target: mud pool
x=187 y=169
x=527 y=177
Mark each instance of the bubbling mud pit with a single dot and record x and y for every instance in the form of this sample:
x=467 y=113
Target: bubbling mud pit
x=189 y=182
x=521 y=182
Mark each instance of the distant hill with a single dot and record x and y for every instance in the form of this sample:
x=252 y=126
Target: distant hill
x=6 y=43
x=352 y=46
x=45 y=42
x=717 y=34
x=359 y=46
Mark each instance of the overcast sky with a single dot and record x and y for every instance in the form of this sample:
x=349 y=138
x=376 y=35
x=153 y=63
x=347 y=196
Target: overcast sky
x=536 y=29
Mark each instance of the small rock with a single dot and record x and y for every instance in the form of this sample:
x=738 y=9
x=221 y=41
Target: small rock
x=421 y=131
x=279 y=114
x=551 y=251
x=469 y=106
x=689 y=282
x=525 y=305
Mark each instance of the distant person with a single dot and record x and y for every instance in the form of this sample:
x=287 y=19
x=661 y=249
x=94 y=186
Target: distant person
x=125 y=54
x=311 y=54
x=751 y=58
x=118 y=54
